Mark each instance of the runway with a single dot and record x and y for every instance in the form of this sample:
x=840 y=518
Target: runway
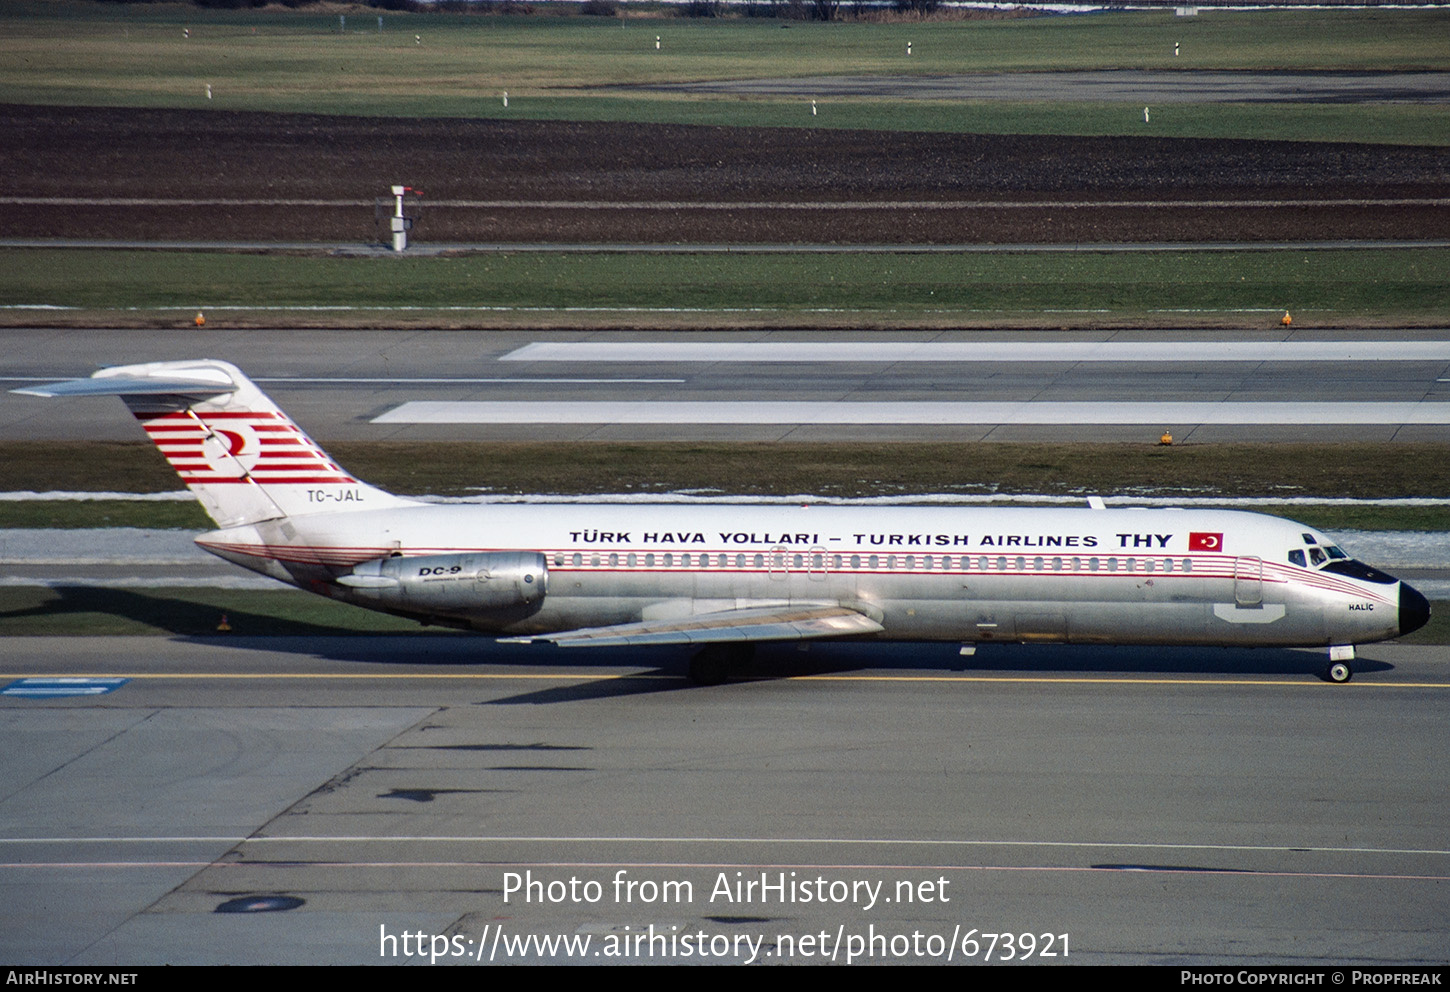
x=1284 y=385
x=362 y=787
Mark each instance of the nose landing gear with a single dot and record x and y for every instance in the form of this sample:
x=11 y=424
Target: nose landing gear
x=1338 y=670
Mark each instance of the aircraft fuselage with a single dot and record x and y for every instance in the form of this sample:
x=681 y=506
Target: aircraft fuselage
x=924 y=573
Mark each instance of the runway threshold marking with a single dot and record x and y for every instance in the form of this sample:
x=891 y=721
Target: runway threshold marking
x=644 y=676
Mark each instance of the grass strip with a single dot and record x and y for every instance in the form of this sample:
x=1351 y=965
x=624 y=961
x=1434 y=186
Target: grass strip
x=70 y=514
x=84 y=611
x=1364 y=283
x=1358 y=470
x=856 y=469
x=563 y=67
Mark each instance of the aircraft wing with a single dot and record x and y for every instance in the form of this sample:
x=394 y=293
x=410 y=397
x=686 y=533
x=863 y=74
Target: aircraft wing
x=759 y=624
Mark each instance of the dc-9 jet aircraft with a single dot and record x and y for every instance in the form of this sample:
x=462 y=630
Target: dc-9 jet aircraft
x=727 y=577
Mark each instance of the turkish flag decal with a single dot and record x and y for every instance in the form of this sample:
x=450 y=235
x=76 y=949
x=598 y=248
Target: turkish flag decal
x=1199 y=541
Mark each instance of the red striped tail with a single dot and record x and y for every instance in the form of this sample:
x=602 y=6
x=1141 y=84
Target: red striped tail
x=239 y=447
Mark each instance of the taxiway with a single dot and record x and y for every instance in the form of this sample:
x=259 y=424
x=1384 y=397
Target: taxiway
x=288 y=800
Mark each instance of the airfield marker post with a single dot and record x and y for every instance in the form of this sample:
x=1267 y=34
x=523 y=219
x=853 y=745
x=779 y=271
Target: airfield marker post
x=400 y=222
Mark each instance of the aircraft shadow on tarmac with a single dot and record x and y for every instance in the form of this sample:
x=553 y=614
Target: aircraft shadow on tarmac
x=663 y=669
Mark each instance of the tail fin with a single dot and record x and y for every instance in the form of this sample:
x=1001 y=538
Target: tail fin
x=244 y=458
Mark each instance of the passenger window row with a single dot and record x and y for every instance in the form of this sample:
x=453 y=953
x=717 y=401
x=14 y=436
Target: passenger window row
x=818 y=562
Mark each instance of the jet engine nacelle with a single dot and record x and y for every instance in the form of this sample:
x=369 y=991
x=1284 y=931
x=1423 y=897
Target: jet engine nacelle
x=488 y=581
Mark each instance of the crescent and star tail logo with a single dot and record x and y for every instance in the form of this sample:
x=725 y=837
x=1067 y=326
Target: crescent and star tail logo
x=226 y=449
x=1202 y=541
x=236 y=444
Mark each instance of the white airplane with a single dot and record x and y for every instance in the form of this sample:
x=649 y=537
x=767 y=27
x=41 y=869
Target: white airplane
x=727 y=577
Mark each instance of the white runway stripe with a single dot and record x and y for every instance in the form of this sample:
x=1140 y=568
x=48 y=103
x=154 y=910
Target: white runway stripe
x=982 y=351
x=751 y=412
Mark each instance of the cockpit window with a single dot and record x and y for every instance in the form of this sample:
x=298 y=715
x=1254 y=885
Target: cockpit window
x=1317 y=557
x=1296 y=558
x=1309 y=539
x=1335 y=552
x=1359 y=570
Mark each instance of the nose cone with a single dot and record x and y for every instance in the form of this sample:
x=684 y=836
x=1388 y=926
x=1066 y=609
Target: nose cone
x=1414 y=609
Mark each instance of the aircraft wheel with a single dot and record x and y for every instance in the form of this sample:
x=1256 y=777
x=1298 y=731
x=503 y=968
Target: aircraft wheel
x=1339 y=672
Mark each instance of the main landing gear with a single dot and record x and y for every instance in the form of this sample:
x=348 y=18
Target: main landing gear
x=1338 y=669
x=713 y=663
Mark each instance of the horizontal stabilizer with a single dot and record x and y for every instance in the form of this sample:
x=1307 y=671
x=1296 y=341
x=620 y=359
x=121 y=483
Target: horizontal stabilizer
x=760 y=624
x=200 y=385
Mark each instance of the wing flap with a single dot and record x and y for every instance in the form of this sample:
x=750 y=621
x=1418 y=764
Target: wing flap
x=766 y=624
